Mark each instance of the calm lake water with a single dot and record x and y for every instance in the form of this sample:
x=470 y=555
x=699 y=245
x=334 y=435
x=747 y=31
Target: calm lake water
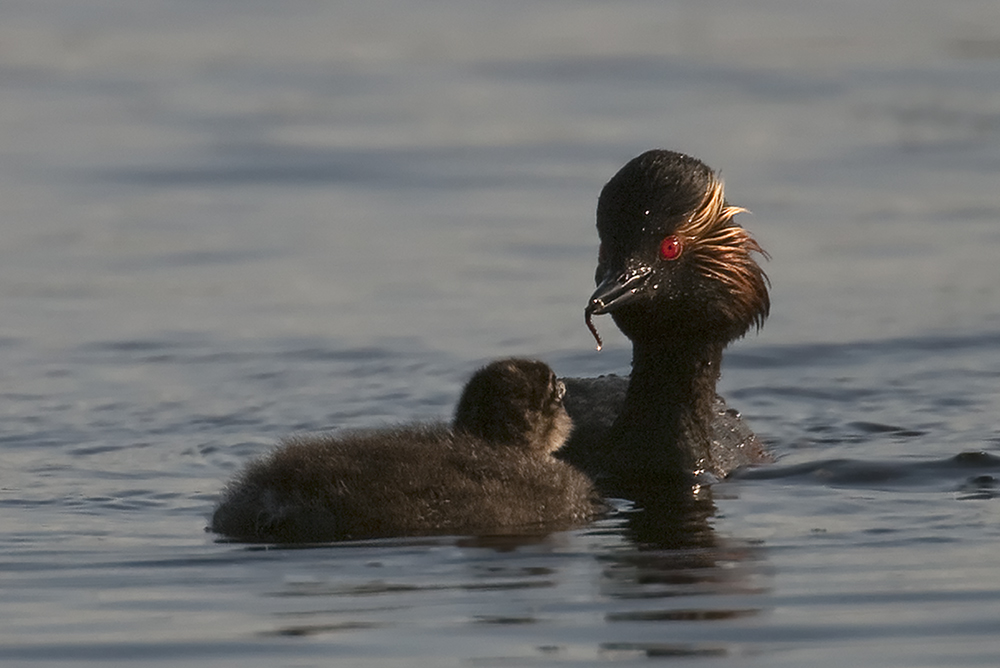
x=226 y=222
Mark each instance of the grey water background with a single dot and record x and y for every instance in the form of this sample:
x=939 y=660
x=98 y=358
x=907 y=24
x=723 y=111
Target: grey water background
x=223 y=222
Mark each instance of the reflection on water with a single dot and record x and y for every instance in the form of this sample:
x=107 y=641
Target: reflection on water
x=534 y=590
x=677 y=519
x=675 y=568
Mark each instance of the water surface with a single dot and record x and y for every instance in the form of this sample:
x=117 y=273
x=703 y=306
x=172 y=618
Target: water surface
x=226 y=222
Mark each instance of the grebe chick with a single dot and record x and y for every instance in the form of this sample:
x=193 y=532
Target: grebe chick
x=679 y=278
x=490 y=471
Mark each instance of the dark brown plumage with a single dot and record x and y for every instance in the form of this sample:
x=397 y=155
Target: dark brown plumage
x=679 y=278
x=491 y=471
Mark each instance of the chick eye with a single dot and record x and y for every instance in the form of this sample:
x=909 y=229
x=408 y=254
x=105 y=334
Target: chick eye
x=560 y=390
x=670 y=248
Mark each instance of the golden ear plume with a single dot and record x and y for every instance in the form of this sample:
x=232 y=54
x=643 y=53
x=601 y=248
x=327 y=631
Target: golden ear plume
x=722 y=251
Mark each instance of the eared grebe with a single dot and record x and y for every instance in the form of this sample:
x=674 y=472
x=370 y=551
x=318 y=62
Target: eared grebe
x=679 y=278
x=491 y=471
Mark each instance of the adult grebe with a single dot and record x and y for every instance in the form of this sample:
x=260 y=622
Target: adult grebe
x=678 y=277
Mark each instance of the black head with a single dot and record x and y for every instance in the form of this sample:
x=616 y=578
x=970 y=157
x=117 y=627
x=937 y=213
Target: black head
x=673 y=263
x=515 y=402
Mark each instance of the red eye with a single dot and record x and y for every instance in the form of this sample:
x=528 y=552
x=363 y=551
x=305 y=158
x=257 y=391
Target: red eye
x=670 y=248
